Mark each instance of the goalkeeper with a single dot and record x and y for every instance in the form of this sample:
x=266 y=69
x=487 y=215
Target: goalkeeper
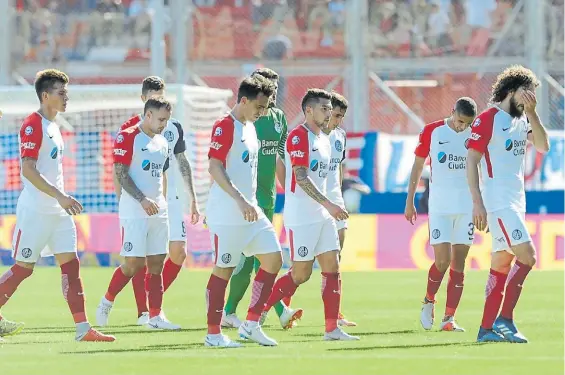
x=271 y=133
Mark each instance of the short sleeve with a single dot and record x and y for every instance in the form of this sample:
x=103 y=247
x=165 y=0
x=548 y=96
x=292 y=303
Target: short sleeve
x=344 y=146
x=424 y=141
x=284 y=136
x=180 y=145
x=297 y=148
x=166 y=165
x=222 y=139
x=31 y=136
x=481 y=131
x=123 y=146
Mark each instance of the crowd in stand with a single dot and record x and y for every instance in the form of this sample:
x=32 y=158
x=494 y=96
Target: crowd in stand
x=51 y=30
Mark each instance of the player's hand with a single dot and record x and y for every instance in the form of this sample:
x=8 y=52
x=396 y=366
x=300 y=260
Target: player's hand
x=70 y=204
x=248 y=211
x=149 y=206
x=410 y=213
x=530 y=101
x=194 y=213
x=479 y=216
x=339 y=213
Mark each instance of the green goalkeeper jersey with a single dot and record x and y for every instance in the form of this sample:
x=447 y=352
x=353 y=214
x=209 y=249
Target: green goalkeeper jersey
x=271 y=132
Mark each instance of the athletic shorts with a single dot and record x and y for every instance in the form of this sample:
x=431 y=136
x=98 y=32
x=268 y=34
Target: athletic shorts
x=507 y=228
x=231 y=242
x=310 y=240
x=453 y=229
x=177 y=226
x=342 y=224
x=35 y=231
x=143 y=237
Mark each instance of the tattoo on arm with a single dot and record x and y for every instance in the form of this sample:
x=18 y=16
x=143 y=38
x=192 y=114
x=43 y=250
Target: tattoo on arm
x=186 y=172
x=308 y=186
x=122 y=174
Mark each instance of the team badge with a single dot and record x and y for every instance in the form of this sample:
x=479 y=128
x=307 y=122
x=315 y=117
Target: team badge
x=302 y=251
x=218 y=132
x=120 y=138
x=295 y=140
x=278 y=126
x=28 y=130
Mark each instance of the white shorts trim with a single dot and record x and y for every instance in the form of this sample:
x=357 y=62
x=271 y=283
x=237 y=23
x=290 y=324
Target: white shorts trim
x=507 y=228
x=310 y=240
x=232 y=242
x=453 y=229
x=37 y=235
x=144 y=237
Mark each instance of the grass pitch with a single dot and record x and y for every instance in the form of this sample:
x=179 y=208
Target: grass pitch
x=386 y=306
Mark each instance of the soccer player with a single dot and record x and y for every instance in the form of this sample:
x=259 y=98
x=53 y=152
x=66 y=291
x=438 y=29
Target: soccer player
x=272 y=133
x=153 y=86
x=450 y=207
x=335 y=175
x=43 y=214
x=236 y=223
x=309 y=214
x=498 y=142
x=141 y=158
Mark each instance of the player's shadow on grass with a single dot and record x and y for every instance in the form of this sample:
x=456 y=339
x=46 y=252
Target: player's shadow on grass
x=143 y=330
x=147 y=348
x=413 y=346
x=41 y=330
x=404 y=332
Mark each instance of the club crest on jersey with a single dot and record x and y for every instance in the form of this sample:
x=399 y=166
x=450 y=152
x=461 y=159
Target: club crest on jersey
x=54 y=153
x=169 y=135
x=442 y=157
x=119 y=138
x=314 y=165
x=245 y=156
x=338 y=146
x=295 y=140
x=278 y=126
x=476 y=123
x=218 y=132
x=28 y=130
x=146 y=165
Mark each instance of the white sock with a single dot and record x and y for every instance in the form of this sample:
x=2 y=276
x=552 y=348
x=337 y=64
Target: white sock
x=82 y=329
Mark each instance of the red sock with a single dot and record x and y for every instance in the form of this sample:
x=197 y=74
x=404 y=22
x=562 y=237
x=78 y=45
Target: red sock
x=286 y=300
x=516 y=279
x=72 y=290
x=215 y=294
x=118 y=282
x=155 y=294
x=139 y=291
x=170 y=273
x=284 y=287
x=340 y=315
x=494 y=292
x=10 y=281
x=331 y=295
x=262 y=288
x=434 y=281
x=454 y=291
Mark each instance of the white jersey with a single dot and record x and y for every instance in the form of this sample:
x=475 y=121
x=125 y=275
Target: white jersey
x=40 y=139
x=305 y=149
x=148 y=159
x=502 y=139
x=447 y=149
x=236 y=145
x=337 y=144
x=174 y=134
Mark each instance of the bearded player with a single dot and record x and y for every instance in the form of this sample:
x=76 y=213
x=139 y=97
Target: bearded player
x=498 y=142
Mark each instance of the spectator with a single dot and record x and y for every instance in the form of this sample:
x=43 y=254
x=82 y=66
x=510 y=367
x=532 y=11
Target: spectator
x=320 y=17
x=438 y=28
x=107 y=22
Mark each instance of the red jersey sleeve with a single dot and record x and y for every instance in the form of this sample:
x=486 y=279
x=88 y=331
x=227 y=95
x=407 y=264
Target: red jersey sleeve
x=123 y=146
x=129 y=123
x=297 y=148
x=31 y=136
x=481 y=130
x=222 y=139
x=425 y=139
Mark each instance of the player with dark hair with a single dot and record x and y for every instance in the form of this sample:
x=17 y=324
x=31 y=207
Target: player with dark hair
x=154 y=86
x=450 y=207
x=309 y=215
x=238 y=227
x=141 y=158
x=44 y=211
x=272 y=133
x=498 y=142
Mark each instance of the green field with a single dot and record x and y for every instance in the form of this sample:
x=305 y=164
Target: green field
x=385 y=304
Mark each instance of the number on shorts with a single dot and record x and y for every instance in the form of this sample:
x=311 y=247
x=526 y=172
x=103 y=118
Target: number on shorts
x=471 y=231
x=183 y=229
